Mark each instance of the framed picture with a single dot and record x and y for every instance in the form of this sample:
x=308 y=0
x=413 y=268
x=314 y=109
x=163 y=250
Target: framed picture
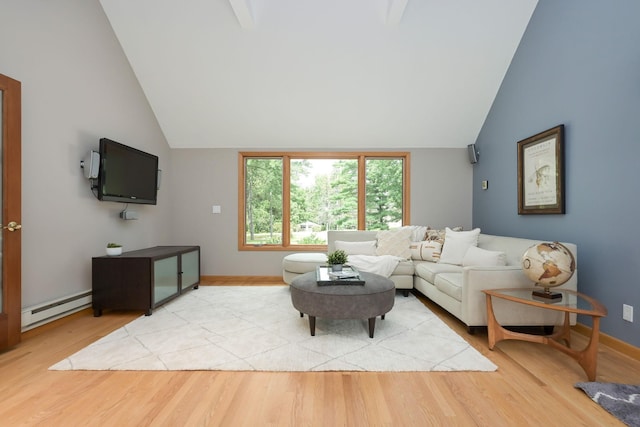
x=541 y=173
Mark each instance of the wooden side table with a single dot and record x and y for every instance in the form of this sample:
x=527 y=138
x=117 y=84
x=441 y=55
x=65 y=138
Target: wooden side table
x=571 y=302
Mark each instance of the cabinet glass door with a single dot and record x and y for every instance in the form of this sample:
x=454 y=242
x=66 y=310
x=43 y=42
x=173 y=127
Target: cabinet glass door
x=190 y=268
x=165 y=274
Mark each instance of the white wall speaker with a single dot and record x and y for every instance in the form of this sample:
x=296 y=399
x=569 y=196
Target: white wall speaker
x=158 y=179
x=91 y=165
x=473 y=153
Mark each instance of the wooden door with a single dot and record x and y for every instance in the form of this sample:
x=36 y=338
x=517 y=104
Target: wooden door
x=10 y=257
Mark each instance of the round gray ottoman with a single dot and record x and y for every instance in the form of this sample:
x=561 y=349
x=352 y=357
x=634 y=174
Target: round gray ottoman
x=374 y=298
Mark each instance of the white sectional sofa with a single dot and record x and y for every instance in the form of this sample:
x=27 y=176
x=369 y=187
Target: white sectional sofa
x=458 y=289
x=402 y=276
x=296 y=264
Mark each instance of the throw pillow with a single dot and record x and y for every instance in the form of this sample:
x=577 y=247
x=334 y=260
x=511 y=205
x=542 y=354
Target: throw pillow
x=456 y=244
x=356 y=248
x=483 y=258
x=394 y=242
x=427 y=250
x=438 y=234
x=418 y=232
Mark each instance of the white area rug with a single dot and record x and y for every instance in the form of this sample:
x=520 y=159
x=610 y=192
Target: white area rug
x=256 y=328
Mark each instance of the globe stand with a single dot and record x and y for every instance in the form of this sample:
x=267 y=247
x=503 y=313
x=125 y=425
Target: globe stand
x=547 y=294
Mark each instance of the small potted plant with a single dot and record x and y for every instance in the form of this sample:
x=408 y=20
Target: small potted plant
x=336 y=259
x=114 y=249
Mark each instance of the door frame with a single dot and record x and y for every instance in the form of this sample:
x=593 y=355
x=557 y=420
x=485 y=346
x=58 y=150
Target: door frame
x=10 y=313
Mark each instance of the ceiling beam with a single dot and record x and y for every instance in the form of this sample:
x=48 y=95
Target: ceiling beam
x=242 y=9
x=395 y=11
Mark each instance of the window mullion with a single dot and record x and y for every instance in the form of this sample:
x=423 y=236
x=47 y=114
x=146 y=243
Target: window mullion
x=286 y=201
x=406 y=189
x=362 y=193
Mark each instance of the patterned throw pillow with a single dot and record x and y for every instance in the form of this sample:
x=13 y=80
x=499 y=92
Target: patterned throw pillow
x=395 y=242
x=439 y=234
x=427 y=250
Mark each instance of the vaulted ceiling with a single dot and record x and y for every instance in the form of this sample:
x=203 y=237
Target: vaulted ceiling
x=296 y=74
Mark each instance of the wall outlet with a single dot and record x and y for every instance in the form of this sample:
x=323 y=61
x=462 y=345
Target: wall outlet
x=216 y=209
x=627 y=312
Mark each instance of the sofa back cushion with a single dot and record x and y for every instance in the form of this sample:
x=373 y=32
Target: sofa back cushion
x=356 y=248
x=515 y=247
x=483 y=258
x=348 y=236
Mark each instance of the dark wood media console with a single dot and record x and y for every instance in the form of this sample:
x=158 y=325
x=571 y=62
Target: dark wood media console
x=144 y=279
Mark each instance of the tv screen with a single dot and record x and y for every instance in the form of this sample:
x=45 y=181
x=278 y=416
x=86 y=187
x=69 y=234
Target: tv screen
x=127 y=174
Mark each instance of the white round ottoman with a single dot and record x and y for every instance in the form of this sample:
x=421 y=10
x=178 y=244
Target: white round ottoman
x=293 y=265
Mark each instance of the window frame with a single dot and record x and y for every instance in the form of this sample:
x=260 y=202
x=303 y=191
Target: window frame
x=286 y=157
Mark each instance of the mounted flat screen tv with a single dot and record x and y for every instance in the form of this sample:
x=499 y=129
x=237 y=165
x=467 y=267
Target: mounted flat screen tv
x=127 y=174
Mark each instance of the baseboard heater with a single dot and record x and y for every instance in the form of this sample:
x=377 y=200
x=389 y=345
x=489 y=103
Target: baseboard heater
x=38 y=315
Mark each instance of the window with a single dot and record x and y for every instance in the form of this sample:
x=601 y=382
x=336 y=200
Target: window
x=290 y=200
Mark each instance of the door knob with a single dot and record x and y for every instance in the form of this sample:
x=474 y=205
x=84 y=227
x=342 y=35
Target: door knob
x=12 y=226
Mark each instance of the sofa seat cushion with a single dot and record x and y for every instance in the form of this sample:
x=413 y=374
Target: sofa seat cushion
x=450 y=284
x=428 y=270
x=404 y=268
x=303 y=262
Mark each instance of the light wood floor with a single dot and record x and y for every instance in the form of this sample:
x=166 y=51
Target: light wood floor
x=534 y=386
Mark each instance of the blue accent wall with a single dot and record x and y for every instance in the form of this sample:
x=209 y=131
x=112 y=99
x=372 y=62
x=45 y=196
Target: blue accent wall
x=578 y=64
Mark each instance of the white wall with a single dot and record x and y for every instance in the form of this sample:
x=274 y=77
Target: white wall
x=441 y=182
x=76 y=87
x=441 y=187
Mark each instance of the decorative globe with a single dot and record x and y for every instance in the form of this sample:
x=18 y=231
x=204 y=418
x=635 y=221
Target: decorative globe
x=548 y=264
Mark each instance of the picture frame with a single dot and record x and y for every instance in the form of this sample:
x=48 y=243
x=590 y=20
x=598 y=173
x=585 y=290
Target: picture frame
x=541 y=173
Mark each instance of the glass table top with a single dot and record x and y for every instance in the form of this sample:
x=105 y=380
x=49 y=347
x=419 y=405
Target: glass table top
x=571 y=301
